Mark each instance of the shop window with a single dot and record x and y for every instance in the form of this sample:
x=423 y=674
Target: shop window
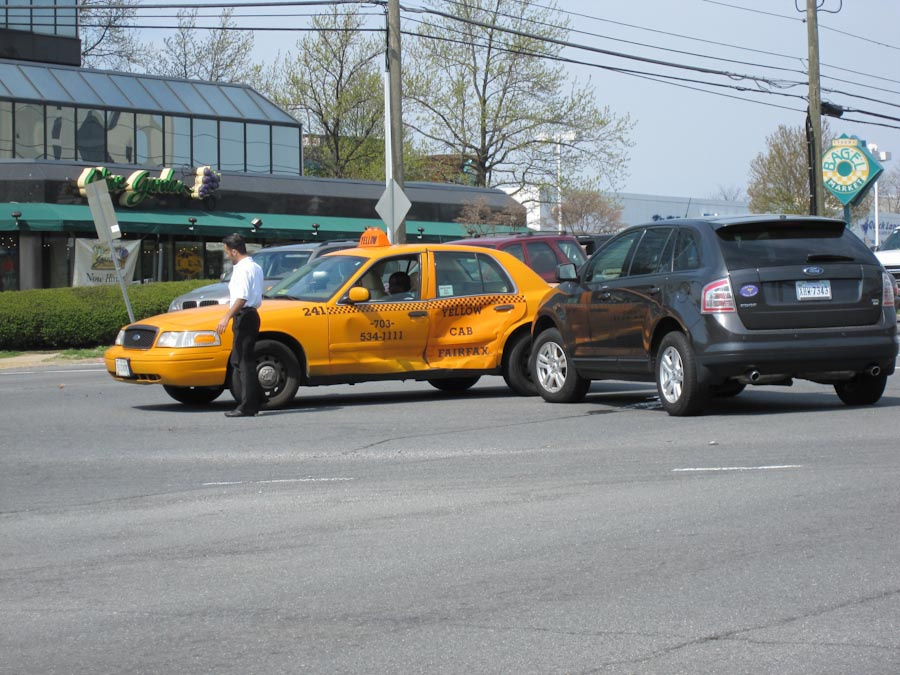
x=57 y=253
x=149 y=139
x=29 y=131
x=258 y=149
x=188 y=260
x=120 y=137
x=61 y=132
x=231 y=145
x=154 y=260
x=6 y=130
x=9 y=262
x=178 y=141
x=90 y=136
x=286 y=150
x=205 y=143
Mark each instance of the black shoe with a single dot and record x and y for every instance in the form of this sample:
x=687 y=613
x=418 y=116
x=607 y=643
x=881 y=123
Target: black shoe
x=239 y=413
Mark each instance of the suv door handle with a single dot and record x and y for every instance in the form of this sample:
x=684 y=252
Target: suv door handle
x=418 y=312
x=653 y=290
x=504 y=308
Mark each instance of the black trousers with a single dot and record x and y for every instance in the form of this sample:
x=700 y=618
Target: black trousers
x=245 y=328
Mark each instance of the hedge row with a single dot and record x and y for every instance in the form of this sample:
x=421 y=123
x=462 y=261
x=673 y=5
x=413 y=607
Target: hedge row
x=87 y=316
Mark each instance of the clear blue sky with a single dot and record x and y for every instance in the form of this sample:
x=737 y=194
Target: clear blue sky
x=688 y=142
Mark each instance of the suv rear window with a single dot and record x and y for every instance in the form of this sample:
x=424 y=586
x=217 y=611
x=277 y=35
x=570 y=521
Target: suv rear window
x=775 y=243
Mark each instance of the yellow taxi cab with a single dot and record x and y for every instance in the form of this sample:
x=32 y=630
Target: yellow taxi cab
x=446 y=314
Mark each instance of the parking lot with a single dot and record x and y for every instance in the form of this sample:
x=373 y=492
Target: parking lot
x=392 y=528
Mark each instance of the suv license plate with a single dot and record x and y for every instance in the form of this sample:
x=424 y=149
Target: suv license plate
x=814 y=290
x=123 y=368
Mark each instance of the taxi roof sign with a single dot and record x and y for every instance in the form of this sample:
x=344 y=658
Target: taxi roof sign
x=373 y=237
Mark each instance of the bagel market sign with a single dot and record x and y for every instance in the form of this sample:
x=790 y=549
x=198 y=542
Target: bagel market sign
x=849 y=171
x=133 y=189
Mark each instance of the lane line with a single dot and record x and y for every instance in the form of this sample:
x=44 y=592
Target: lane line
x=739 y=468
x=277 y=480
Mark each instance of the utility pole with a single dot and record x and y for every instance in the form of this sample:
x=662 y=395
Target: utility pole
x=814 y=114
x=394 y=107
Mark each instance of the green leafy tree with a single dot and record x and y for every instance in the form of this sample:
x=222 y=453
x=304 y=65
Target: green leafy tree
x=481 y=84
x=220 y=54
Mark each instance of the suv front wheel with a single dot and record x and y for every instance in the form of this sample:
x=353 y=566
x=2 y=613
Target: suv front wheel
x=676 y=377
x=552 y=372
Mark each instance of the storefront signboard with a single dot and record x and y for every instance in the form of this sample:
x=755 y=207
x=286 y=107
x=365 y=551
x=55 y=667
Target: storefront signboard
x=133 y=189
x=94 y=264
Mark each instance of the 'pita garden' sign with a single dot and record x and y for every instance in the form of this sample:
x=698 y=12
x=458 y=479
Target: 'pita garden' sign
x=133 y=189
x=849 y=170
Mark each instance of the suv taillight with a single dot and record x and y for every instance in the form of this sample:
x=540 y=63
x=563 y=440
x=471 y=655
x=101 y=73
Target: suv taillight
x=717 y=298
x=887 y=290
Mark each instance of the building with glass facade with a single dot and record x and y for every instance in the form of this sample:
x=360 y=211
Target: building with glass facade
x=153 y=140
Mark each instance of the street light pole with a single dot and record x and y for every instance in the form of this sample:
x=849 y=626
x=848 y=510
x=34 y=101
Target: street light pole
x=881 y=156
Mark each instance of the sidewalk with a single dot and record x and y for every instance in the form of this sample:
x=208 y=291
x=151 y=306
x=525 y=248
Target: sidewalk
x=41 y=360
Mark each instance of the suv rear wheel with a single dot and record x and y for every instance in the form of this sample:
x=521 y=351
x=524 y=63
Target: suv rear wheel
x=862 y=389
x=555 y=378
x=676 y=376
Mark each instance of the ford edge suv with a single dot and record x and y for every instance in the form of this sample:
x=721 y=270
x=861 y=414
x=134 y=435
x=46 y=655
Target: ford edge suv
x=706 y=307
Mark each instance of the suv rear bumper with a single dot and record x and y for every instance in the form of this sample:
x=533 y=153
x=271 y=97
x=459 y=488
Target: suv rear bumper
x=800 y=353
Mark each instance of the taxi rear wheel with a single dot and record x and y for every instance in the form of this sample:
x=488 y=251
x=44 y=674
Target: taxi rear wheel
x=278 y=371
x=453 y=384
x=194 y=395
x=515 y=366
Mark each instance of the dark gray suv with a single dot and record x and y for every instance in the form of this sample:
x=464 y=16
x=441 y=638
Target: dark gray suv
x=706 y=307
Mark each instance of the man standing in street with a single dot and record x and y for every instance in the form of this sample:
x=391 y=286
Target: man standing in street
x=245 y=291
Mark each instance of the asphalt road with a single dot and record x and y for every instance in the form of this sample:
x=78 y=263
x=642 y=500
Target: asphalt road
x=389 y=528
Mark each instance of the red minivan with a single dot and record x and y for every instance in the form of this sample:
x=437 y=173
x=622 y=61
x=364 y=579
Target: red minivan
x=542 y=252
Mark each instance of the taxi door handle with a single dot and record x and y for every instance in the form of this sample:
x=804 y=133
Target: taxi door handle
x=504 y=308
x=418 y=312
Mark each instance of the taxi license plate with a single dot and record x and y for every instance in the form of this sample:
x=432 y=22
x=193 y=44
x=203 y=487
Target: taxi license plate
x=123 y=368
x=814 y=290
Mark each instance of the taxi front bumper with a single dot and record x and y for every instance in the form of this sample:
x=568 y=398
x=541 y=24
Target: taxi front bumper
x=192 y=367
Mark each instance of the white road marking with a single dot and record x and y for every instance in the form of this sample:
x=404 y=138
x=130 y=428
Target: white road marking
x=740 y=468
x=276 y=480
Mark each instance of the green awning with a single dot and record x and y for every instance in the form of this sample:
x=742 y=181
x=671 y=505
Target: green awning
x=44 y=217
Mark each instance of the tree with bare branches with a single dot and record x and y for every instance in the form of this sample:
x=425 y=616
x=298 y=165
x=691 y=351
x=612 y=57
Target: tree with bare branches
x=223 y=54
x=107 y=40
x=481 y=84
x=587 y=211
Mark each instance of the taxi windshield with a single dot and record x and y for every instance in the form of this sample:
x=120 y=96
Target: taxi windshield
x=319 y=280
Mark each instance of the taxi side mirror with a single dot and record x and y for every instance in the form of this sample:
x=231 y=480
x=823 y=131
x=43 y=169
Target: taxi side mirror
x=358 y=294
x=566 y=272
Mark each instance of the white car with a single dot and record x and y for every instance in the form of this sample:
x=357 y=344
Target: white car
x=276 y=262
x=888 y=254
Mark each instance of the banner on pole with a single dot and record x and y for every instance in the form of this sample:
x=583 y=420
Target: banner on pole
x=94 y=265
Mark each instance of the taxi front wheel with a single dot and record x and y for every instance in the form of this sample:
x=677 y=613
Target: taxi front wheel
x=278 y=371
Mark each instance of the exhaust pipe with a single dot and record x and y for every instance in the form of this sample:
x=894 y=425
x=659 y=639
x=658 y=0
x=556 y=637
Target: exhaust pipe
x=873 y=371
x=753 y=376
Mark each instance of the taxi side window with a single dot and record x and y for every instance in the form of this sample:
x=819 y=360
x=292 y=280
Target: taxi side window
x=397 y=279
x=462 y=273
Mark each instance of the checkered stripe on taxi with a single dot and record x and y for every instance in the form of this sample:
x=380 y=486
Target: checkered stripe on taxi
x=424 y=305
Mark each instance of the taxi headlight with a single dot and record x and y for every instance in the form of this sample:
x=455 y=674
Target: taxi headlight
x=190 y=338
x=120 y=338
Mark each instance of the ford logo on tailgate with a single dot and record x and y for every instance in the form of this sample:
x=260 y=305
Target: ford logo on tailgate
x=813 y=271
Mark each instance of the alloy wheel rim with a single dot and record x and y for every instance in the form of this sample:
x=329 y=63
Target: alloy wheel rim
x=552 y=367
x=671 y=374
